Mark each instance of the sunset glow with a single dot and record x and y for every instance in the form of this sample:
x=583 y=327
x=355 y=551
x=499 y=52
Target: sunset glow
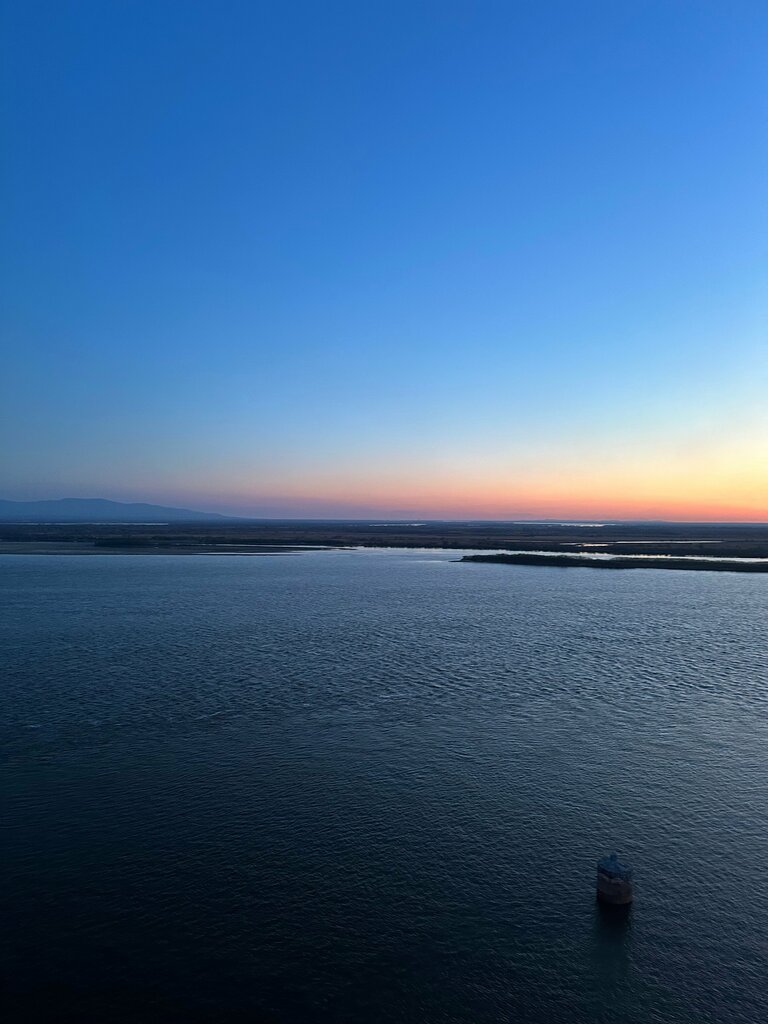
x=357 y=263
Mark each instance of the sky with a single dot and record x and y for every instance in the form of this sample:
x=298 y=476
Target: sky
x=436 y=259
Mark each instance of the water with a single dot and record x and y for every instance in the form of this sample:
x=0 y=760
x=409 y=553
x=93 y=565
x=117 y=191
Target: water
x=372 y=786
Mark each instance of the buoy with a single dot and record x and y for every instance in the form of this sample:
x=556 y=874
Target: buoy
x=614 y=881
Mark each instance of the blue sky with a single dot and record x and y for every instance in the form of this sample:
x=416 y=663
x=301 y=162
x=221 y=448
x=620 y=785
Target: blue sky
x=382 y=258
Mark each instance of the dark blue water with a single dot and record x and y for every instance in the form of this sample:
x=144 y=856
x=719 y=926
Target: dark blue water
x=372 y=786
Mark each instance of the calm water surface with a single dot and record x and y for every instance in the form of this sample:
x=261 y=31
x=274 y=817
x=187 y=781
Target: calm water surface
x=372 y=786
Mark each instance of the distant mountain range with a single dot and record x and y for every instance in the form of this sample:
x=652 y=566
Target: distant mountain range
x=97 y=510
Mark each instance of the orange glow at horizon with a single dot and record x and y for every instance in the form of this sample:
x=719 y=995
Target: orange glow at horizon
x=724 y=479
x=527 y=500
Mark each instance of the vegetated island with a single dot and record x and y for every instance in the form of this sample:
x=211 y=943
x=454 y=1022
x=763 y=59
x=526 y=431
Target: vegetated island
x=648 y=562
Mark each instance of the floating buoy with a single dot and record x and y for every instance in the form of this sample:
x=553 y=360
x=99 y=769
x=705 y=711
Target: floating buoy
x=614 y=881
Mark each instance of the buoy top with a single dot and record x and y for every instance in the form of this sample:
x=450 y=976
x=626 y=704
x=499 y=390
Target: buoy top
x=614 y=868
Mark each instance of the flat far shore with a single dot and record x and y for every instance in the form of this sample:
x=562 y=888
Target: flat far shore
x=577 y=562
x=75 y=548
x=626 y=541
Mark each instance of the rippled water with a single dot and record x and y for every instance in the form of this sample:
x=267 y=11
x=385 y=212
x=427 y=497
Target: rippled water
x=372 y=786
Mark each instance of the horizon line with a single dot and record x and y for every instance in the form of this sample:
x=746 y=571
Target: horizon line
x=402 y=517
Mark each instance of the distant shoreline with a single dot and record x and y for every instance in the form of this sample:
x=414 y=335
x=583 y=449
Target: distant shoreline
x=648 y=562
x=626 y=541
x=75 y=548
x=536 y=559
